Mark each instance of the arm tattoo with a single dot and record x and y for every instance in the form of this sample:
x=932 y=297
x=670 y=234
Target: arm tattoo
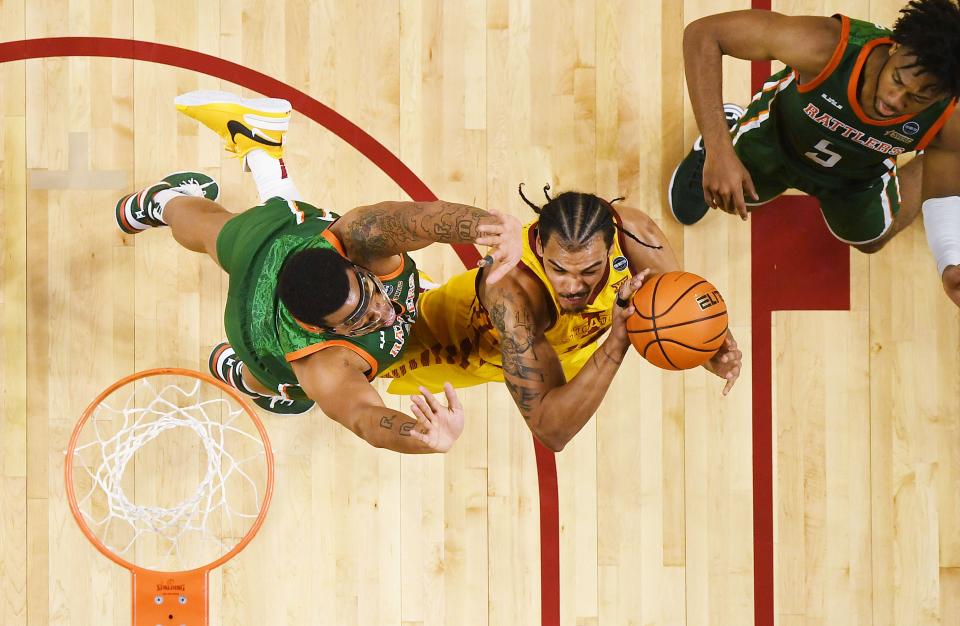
x=517 y=338
x=379 y=233
x=606 y=356
x=405 y=427
x=384 y=232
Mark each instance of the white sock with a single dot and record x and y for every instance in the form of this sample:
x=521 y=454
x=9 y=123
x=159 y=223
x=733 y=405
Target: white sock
x=161 y=198
x=270 y=176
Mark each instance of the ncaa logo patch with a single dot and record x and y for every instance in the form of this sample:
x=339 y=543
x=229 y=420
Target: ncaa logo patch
x=911 y=128
x=620 y=263
x=389 y=290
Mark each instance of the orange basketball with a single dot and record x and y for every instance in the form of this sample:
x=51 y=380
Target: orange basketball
x=680 y=320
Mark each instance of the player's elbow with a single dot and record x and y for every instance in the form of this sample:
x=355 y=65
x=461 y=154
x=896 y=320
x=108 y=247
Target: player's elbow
x=552 y=441
x=699 y=31
x=555 y=439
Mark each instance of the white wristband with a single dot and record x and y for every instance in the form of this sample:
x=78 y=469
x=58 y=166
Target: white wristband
x=941 y=218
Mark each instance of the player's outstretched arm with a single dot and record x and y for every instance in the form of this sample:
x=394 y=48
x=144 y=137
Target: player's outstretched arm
x=334 y=379
x=377 y=233
x=554 y=409
x=803 y=43
x=941 y=204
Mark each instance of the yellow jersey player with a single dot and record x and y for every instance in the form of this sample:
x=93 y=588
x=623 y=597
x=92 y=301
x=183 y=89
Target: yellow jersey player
x=538 y=329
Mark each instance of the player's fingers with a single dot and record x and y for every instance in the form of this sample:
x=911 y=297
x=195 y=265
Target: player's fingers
x=708 y=197
x=731 y=377
x=422 y=420
x=491 y=229
x=420 y=408
x=429 y=399
x=489 y=240
x=749 y=188
x=499 y=271
x=452 y=400
x=739 y=204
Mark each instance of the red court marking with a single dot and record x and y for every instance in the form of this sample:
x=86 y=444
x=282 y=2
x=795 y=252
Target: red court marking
x=365 y=145
x=796 y=265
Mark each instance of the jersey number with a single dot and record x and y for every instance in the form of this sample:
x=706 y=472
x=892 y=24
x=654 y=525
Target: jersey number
x=824 y=155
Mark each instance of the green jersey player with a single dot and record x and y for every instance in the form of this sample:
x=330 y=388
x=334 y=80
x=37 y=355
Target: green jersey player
x=852 y=98
x=318 y=304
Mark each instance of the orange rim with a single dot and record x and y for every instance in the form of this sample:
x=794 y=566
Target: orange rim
x=85 y=416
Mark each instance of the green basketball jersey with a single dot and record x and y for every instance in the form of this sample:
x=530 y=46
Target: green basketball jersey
x=821 y=126
x=259 y=327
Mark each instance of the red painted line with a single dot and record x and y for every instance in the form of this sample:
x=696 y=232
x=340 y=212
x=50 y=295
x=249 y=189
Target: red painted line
x=796 y=265
x=367 y=146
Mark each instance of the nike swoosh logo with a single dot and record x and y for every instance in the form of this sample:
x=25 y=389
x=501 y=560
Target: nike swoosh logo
x=236 y=128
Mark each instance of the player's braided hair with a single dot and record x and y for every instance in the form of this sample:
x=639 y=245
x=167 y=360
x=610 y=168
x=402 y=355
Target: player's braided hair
x=576 y=217
x=313 y=283
x=930 y=29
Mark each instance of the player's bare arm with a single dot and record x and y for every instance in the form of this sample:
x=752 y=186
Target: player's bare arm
x=555 y=409
x=659 y=257
x=804 y=43
x=375 y=235
x=940 y=192
x=334 y=378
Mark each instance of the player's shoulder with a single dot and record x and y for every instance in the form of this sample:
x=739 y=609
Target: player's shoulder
x=632 y=217
x=949 y=136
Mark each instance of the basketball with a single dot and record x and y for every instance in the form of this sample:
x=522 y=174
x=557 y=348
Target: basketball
x=680 y=320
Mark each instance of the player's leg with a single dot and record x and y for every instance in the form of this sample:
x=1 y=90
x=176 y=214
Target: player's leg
x=864 y=219
x=254 y=129
x=185 y=201
x=225 y=365
x=908 y=179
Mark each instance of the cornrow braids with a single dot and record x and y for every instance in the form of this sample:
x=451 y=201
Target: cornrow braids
x=576 y=218
x=930 y=30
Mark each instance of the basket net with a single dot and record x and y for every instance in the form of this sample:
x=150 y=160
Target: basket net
x=169 y=472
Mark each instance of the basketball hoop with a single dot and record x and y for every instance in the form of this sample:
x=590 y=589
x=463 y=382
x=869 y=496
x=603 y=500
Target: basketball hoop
x=169 y=474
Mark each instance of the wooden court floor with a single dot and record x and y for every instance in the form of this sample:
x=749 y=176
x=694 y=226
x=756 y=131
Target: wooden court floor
x=824 y=490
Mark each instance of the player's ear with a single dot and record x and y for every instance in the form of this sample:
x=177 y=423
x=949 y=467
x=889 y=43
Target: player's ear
x=894 y=48
x=539 y=246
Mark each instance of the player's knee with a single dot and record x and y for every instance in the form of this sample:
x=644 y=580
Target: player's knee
x=870 y=248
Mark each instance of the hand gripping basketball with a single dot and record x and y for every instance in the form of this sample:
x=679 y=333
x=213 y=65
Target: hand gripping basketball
x=680 y=321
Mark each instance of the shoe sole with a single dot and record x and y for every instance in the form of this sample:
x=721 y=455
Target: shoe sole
x=214 y=357
x=215 y=181
x=253 y=106
x=121 y=216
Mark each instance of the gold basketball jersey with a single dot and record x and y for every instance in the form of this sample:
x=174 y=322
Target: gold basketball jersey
x=455 y=341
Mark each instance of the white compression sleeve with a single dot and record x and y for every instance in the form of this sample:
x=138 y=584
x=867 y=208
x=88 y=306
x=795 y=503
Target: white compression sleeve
x=941 y=218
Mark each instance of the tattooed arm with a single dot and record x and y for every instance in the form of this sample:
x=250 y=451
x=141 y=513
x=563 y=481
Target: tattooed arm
x=375 y=235
x=555 y=409
x=334 y=378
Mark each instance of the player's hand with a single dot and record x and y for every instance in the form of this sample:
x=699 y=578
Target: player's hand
x=504 y=236
x=438 y=426
x=618 y=331
x=726 y=181
x=726 y=362
x=951 y=282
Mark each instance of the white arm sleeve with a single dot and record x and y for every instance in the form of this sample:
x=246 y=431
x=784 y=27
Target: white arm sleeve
x=941 y=218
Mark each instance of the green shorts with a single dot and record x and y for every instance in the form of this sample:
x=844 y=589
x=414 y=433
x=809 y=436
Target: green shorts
x=242 y=247
x=856 y=212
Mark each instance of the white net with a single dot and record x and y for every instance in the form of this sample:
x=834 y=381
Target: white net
x=169 y=472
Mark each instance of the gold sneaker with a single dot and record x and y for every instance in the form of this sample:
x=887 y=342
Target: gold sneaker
x=244 y=123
